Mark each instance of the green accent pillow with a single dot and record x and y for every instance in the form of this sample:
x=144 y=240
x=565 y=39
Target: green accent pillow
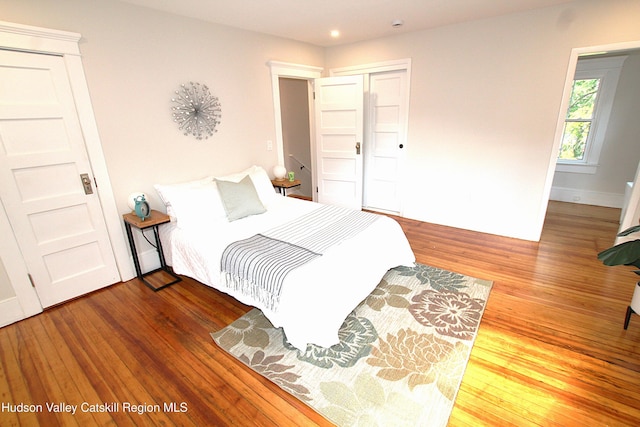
x=240 y=199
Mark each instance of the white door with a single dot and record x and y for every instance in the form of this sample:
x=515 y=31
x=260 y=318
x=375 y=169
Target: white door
x=18 y=299
x=339 y=143
x=60 y=230
x=386 y=136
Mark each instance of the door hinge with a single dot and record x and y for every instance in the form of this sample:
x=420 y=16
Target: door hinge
x=314 y=94
x=33 y=285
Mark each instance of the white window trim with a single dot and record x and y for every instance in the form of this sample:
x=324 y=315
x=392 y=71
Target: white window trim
x=608 y=70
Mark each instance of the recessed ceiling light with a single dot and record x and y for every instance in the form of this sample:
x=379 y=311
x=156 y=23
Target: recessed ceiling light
x=335 y=33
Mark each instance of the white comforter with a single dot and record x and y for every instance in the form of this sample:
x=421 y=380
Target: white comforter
x=317 y=297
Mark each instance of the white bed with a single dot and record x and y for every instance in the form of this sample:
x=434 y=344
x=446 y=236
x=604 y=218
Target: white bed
x=316 y=297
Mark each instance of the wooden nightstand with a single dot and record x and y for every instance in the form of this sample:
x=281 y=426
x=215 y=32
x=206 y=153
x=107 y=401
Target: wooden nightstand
x=158 y=278
x=284 y=184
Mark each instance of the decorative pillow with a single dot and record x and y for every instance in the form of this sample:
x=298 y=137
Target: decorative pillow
x=240 y=199
x=261 y=182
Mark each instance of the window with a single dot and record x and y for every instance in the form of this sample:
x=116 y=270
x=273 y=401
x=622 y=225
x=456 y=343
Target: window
x=579 y=120
x=588 y=113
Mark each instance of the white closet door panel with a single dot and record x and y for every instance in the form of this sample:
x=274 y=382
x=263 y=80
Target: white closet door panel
x=339 y=130
x=383 y=158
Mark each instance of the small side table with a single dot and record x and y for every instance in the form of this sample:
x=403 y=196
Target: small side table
x=161 y=277
x=284 y=184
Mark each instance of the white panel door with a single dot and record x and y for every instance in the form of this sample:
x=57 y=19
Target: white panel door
x=60 y=230
x=18 y=299
x=339 y=130
x=387 y=115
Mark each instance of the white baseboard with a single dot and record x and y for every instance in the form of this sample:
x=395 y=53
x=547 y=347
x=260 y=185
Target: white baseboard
x=586 y=197
x=149 y=260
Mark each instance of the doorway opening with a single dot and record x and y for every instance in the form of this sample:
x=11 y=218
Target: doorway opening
x=296 y=133
x=620 y=152
x=305 y=73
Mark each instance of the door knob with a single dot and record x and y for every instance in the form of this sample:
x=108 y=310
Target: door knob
x=86 y=183
x=357 y=148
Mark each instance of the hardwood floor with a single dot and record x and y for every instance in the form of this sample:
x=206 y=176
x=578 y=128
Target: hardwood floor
x=551 y=349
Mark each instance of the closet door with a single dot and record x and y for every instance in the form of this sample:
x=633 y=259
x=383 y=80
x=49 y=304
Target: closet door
x=386 y=132
x=387 y=92
x=46 y=183
x=339 y=109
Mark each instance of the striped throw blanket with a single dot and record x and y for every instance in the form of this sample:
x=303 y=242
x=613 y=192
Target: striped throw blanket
x=257 y=266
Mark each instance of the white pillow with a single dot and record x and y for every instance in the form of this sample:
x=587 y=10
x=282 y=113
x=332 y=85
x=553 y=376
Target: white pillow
x=198 y=206
x=236 y=177
x=263 y=185
x=261 y=182
x=168 y=192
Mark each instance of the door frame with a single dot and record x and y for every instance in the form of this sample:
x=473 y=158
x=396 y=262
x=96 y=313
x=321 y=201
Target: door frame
x=632 y=212
x=375 y=67
x=66 y=44
x=566 y=95
x=293 y=71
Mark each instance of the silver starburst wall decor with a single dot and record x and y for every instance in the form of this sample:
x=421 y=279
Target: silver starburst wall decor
x=195 y=110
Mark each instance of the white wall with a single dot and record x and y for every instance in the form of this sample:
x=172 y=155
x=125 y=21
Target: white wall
x=477 y=158
x=620 y=153
x=485 y=100
x=135 y=58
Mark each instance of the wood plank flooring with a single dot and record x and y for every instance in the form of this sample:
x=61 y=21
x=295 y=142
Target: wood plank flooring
x=551 y=349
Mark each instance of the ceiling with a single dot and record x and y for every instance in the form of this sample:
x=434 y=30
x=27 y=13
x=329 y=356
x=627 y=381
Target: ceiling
x=312 y=20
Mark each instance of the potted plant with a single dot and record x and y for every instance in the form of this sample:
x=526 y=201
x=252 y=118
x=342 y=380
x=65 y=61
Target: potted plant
x=626 y=253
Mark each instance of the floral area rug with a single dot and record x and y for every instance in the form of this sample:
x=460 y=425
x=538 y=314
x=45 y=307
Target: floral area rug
x=401 y=356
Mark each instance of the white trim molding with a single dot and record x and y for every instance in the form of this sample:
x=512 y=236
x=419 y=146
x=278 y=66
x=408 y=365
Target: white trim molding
x=376 y=67
x=587 y=197
x=35 y=39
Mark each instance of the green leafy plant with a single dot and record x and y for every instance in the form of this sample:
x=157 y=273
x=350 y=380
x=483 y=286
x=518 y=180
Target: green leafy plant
x=626 y=253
